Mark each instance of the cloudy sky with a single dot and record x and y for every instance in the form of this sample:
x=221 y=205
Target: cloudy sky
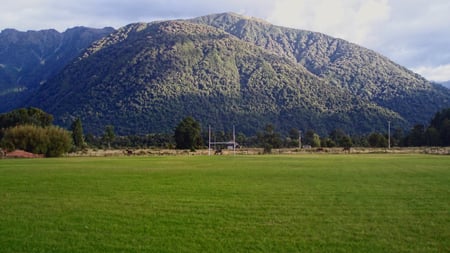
x=414 y=33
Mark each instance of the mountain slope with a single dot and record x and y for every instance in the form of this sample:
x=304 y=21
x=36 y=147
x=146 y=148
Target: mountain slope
x=231 y=70
x=28 y=59
x=363 y=72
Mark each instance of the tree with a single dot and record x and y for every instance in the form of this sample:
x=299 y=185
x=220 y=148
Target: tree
x=77 y=134
x=51 y=140
x=188 y=134
x=346 y=142
x=60 y=141
x=445 y=132
x=339 y=137
x=312 y=138
x=241 y=139
x=269 y=139
x=441 y=122
x=293 y=138
x=398 y=137
x=327 y=142
x=416 y=137
x=432 y=137
x=109 y=135
x=25 y=116
x=377 y=140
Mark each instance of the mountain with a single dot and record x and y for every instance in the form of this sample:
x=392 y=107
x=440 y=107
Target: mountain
x=365 y=73
x=228 y=69
x=28 y=59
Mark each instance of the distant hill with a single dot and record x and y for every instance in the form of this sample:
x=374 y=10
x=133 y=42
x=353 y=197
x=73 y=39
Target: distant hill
x=28 y=59
x=229 y=69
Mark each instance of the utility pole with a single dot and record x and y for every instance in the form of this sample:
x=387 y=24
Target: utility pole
x=389 y=134
x=209 y=140
x=299 y=139
x=234 y=141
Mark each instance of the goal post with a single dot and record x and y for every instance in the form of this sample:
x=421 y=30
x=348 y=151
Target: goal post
x=227 y=143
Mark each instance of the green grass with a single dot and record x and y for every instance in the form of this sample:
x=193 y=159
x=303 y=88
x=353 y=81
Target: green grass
x=306 y=203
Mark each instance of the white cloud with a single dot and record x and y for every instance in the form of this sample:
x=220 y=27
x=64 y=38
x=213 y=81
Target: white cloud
x=352 y=20
x=413 y=33
x=416 y=33
x=438 y=74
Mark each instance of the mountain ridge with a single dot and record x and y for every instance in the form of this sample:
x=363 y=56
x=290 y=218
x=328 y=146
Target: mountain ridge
x=28 y=59
x=226 y=69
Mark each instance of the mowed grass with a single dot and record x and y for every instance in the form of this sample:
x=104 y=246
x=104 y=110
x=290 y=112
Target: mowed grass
x=305 y=203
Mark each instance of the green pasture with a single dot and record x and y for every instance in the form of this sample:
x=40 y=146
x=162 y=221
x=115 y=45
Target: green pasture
x=299 y=203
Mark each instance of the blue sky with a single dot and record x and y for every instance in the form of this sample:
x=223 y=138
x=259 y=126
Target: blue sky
x=413 y=33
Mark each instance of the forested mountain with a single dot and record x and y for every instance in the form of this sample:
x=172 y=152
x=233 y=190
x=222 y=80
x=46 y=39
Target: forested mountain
x=364 y=73
x=28 y=59
x=229 y=70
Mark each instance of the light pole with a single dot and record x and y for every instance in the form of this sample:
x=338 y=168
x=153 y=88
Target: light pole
x=389 y=134
x=300 y=139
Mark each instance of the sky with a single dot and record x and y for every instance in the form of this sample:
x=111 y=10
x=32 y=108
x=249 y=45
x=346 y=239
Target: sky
x=413 y=33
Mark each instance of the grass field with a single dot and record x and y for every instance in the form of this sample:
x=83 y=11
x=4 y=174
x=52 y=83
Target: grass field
x=303 y=203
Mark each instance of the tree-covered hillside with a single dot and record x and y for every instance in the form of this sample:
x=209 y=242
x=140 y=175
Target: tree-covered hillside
x=29 y=59
x=363 y=72
x=226 y=70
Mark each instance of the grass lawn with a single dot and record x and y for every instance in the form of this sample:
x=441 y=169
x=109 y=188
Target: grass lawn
x=303 y=203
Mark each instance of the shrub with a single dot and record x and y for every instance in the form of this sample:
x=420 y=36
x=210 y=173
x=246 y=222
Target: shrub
x=51 y=140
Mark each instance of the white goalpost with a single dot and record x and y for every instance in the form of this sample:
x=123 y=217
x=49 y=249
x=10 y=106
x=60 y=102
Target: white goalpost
x=233 y=142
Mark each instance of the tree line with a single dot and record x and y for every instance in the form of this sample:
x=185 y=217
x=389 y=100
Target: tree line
x=31 y=129
x=189 y=135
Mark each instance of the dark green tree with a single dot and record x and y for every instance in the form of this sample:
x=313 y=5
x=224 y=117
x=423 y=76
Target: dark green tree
x=327 y=142
x=77 y=134
x=346 y=142
x=312 y=138
x=441 y=122
x=293 y=137
x=188 y=134
x=416 y=137
x=444 y=132
x=339 y=137
x=109 y=135
x=269 y=139
x=398 y=137
x=241 y=139
x=24 y=116
x=377 y=140
x=432 y=137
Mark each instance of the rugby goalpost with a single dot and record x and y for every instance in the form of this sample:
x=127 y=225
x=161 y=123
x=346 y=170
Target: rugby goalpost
x=221 y=142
